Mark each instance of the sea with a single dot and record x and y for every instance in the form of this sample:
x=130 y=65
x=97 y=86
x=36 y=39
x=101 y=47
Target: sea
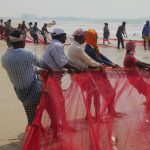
x=133 y=29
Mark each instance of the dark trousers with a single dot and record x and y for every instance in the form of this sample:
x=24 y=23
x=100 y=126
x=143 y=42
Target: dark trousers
x=120 y=40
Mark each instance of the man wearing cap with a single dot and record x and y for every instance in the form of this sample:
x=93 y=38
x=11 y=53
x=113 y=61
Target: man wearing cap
x=54 y=56
x=77 y=55
x=20 y=66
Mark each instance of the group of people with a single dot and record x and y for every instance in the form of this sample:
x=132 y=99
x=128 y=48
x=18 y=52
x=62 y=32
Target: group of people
x=121 y=34
x=20 y=64
x=6 y=28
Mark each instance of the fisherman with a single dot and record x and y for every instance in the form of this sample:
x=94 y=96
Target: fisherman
x=20 y=66
x=44 y=31
x=120 y=33
x=133 y=74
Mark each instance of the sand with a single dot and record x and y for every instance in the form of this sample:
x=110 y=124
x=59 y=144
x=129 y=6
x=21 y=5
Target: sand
x=12 y=117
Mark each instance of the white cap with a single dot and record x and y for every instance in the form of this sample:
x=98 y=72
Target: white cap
x=58 y=31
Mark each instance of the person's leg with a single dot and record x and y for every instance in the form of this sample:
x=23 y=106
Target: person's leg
x=97 y=104
x=45 y=40
x=118 y=42
x=148 y=44
x=144 y=43
x=122 y=42
x=30 y=111
x=37 y=39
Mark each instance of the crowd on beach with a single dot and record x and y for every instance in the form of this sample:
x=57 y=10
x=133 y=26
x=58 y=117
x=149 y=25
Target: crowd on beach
x=34 y=31
x=20 y=64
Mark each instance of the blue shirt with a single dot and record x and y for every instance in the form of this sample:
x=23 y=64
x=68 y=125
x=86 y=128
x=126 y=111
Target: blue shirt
x=146 y=30
x=99 y=58
x=54 y=56
x=20 y=66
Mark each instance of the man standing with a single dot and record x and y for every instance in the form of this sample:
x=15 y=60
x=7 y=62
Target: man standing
x=20 y=66
x=44 y=31
x=146 y=35
x=35 y=31
x=120 y=33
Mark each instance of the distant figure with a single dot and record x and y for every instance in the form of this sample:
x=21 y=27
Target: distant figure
x=146 y=35
x=35 y=33
x=20 y=66
x=120 y=33
x=2 y=29
x=30 y=29
x=19 y=27
x=106 y=34
x=134 y=76
x=8 y=30
x=44 y=31
x=24 y=29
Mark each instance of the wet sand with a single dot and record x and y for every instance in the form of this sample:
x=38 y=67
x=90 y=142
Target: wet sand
x=12 y=117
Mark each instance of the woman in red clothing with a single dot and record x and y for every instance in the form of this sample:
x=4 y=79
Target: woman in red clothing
x=133 y=73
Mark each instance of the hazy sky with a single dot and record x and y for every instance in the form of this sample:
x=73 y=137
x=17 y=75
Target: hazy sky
x=77 y=8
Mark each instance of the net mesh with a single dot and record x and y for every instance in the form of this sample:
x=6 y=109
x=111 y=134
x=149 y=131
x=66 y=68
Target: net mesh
x=94 y=110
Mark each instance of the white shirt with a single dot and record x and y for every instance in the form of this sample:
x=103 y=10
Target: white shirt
x=77 y=56
x=54 y=56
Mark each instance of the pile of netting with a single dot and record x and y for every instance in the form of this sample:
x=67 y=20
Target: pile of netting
x=94 y=110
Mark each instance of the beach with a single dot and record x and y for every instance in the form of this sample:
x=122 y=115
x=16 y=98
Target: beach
x=12 y=116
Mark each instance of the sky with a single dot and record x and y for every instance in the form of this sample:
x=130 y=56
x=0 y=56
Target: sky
x=76 y=8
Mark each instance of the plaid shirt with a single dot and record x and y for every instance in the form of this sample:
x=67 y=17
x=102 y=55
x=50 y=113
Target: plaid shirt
x=20 y=66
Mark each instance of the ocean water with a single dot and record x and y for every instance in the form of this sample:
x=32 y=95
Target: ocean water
x=134 y=30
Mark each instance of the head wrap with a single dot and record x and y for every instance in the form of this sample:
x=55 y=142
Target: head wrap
x=130 y=46
x=91 y=39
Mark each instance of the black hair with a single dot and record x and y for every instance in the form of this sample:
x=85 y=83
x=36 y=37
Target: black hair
x=30 y=23
x=17 y=34
x=58 y=37
x=123 y=23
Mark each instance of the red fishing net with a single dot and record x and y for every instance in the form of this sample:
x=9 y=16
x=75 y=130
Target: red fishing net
x=96 y=110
